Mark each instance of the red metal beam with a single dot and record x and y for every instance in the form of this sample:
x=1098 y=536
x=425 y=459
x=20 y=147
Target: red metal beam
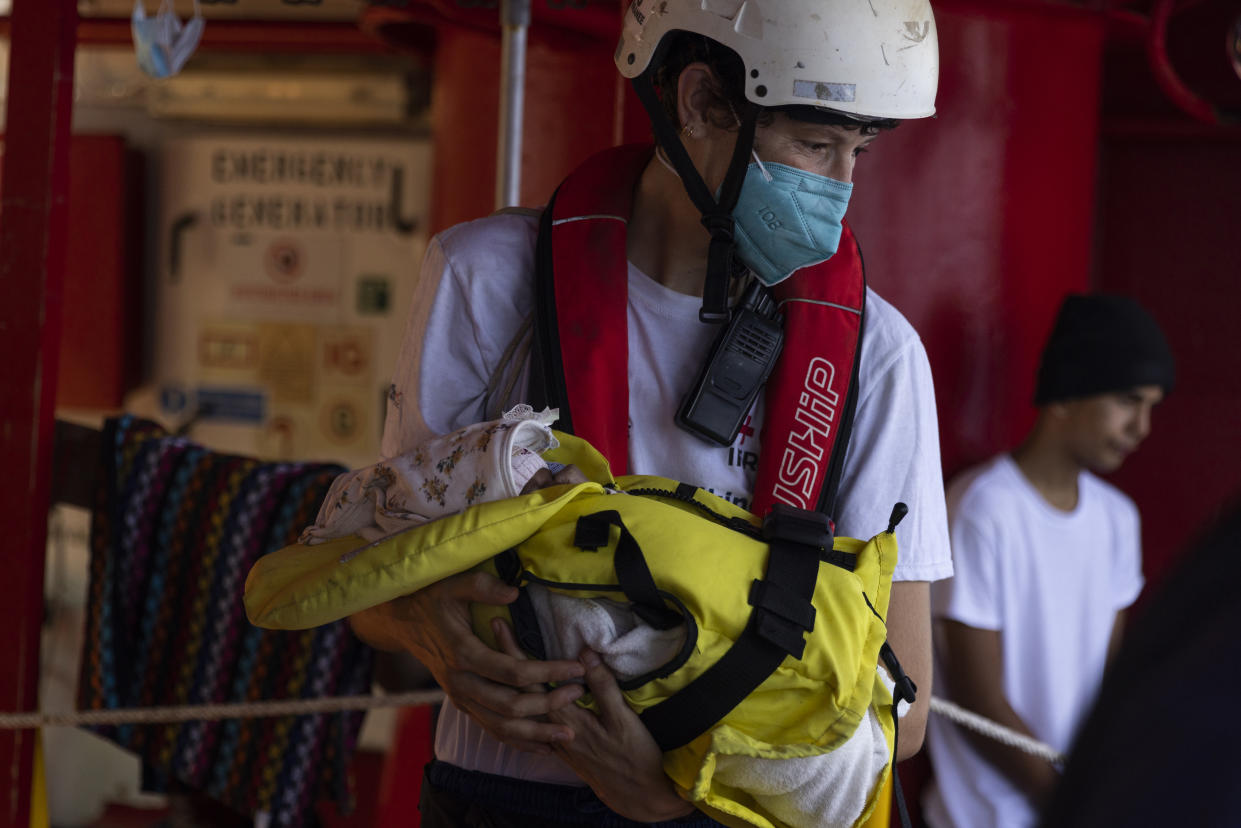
x=32 y=268
x=596 y=21
x=241 y=36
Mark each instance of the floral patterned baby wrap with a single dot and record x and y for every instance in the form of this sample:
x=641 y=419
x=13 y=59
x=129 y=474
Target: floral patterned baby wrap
x=485 y=461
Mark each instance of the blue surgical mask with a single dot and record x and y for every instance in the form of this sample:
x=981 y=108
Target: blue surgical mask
x=162 y=43
x=787 y=219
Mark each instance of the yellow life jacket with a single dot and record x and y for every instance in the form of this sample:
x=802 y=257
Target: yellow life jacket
x=785 y=624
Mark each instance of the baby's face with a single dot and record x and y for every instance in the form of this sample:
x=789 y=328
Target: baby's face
x=544 y=478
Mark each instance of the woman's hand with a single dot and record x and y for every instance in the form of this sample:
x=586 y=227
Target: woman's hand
x=501 y=691
x=613 y=752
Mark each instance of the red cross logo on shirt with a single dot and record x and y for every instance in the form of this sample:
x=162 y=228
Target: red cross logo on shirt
x=745 y=430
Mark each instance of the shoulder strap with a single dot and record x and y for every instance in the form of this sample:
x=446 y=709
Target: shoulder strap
x=581 y=295
x=812 y=393
x=581 y=339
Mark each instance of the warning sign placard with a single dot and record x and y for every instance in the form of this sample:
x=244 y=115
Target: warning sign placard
x=347 y=356
x=287 y=361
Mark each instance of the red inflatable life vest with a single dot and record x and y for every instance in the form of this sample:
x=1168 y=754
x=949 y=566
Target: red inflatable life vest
x=581 y=338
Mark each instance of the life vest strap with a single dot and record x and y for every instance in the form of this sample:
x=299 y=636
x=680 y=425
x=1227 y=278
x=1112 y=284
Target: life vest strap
x=525 y=618
x=581 y=348
x=775 y=630
x=905 y=690
x=633 y=574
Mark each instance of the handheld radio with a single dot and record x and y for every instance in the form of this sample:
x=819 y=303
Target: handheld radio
x=740 y=361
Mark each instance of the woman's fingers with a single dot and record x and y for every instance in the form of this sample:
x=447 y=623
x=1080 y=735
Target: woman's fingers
x=614 y=753
x=464 y=651
x=509 y=646
x=501 y=683
x=609 y=701
x=556 y=698
x=476 y=657
x=503 y=691
x=602 y=683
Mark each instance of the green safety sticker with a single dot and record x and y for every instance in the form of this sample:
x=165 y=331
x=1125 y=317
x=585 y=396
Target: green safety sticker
x=374 y=294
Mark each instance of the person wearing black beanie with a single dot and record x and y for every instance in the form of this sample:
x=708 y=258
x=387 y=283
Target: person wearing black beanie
x=1102 y=343
x=1047 y=558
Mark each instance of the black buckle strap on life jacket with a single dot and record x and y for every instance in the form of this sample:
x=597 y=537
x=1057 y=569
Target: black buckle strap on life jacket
x=592 y=532
x=905 y=690
x=783 y=608
x=845 y=560
x=782 y=613
x=525 y=619
x=632 y=573
x=800 y=526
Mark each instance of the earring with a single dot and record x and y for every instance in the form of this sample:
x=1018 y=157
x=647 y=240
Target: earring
x=688 y=131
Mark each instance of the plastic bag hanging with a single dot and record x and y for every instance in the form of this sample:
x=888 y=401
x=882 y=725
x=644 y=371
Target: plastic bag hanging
x=162 y=44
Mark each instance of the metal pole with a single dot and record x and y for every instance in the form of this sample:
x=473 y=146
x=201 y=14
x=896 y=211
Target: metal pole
x=514 y=22
x=32 y=272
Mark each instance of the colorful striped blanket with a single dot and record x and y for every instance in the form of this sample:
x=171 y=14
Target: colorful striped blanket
x=175 y=529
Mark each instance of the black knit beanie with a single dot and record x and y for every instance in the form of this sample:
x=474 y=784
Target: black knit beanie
x=1100 y=344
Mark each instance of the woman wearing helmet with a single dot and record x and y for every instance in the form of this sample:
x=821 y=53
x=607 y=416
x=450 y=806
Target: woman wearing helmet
x=760 y=112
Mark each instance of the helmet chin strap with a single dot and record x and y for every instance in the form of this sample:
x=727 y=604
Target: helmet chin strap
x=717 y=216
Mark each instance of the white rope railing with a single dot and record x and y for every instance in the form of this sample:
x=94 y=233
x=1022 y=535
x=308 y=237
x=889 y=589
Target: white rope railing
x=995 y=730
x=216 y=712
x=339 y=704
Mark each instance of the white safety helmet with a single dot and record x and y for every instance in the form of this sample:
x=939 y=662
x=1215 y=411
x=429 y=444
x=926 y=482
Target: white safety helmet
x=866 y=58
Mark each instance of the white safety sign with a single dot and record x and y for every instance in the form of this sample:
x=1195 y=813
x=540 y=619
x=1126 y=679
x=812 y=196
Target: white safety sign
x=287 y=265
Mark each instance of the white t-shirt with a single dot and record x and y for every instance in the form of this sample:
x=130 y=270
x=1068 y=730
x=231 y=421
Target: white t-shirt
x=1051 y=582
x=475 y=293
